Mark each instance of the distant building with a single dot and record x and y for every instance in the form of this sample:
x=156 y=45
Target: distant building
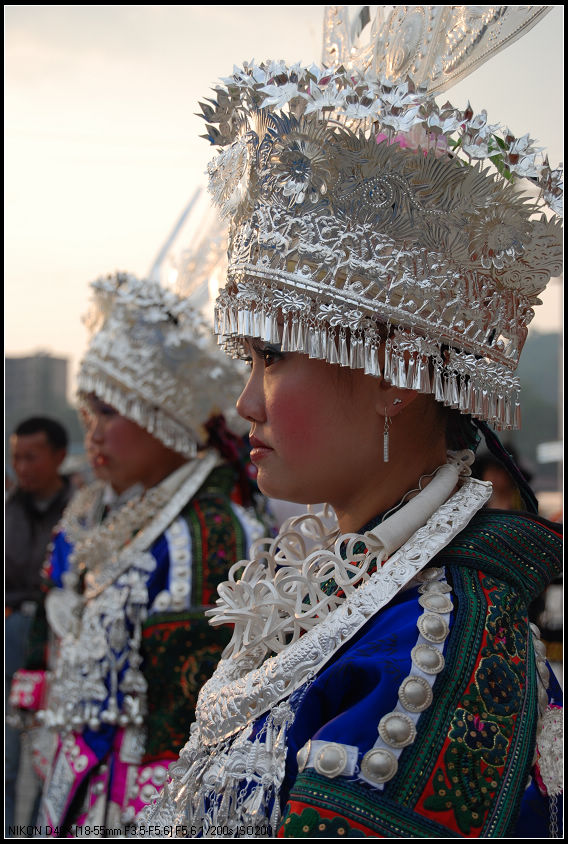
x=36 y=385
x=37 y=382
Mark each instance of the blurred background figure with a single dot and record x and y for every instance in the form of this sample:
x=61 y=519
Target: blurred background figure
x=506 y=495
x=137 y=558
x=34 y=505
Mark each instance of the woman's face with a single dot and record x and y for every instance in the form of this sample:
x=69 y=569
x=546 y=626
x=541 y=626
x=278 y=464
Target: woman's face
x=121 y=451
x=315 y=433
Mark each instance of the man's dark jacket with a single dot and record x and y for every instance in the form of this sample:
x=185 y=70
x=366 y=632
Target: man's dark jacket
x=27 y=534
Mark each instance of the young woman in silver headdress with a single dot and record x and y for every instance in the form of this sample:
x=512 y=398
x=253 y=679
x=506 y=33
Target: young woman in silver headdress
x=383 y=678
x=136 y=558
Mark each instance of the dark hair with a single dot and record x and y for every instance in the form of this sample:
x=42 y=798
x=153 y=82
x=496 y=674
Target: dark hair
x=461 y=431
x=55 y=433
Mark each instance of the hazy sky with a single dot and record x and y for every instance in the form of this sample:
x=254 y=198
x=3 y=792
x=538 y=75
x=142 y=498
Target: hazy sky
x=101 y=141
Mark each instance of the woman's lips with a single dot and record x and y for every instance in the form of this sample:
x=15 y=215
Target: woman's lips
x=258 y=449
x=100 y=460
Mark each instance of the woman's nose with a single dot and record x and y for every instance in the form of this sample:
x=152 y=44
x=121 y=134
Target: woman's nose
x=95 y=431
x=250 y=404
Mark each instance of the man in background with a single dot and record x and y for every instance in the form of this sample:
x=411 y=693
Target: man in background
x=34 y=506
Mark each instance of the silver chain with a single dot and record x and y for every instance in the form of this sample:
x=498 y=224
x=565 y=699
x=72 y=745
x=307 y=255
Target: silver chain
x=553 y=816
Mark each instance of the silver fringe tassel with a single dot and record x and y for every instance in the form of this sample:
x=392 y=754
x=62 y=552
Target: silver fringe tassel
x=133 y=407
x=482 y=388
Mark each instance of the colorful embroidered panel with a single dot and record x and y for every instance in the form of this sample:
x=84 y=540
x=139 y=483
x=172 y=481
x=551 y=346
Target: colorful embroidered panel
x=180 y=654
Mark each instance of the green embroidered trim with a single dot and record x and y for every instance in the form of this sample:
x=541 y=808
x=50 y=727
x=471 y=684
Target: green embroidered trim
x=312 y=825
x=361 y=804
x=511 y=547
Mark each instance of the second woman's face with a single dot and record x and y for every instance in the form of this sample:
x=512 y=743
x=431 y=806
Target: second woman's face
x=123 y=453
x=315 y=433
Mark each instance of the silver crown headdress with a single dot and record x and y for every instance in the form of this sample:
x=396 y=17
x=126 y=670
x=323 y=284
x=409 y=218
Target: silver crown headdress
x=154 y=359
x=356 y=203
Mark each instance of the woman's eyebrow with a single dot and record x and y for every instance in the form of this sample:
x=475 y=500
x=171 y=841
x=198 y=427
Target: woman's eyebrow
x=260 y=346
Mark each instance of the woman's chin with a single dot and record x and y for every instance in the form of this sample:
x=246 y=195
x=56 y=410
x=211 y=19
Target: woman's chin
x=268 y=486
x=275 y=488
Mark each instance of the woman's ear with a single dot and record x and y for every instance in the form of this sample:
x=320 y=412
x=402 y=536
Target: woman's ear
x=390 y=400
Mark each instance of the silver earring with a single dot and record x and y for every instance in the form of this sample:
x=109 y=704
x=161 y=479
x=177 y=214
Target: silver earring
x=386 y=438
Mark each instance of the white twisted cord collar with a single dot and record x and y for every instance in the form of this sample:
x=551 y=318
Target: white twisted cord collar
x=285 y=589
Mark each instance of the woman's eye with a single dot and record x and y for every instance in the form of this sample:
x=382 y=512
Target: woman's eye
x=270 y=356
x=106 y=410
x=265 y=353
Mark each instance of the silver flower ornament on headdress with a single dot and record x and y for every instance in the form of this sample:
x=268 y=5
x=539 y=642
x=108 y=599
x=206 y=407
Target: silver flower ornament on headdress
x=153 y=358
